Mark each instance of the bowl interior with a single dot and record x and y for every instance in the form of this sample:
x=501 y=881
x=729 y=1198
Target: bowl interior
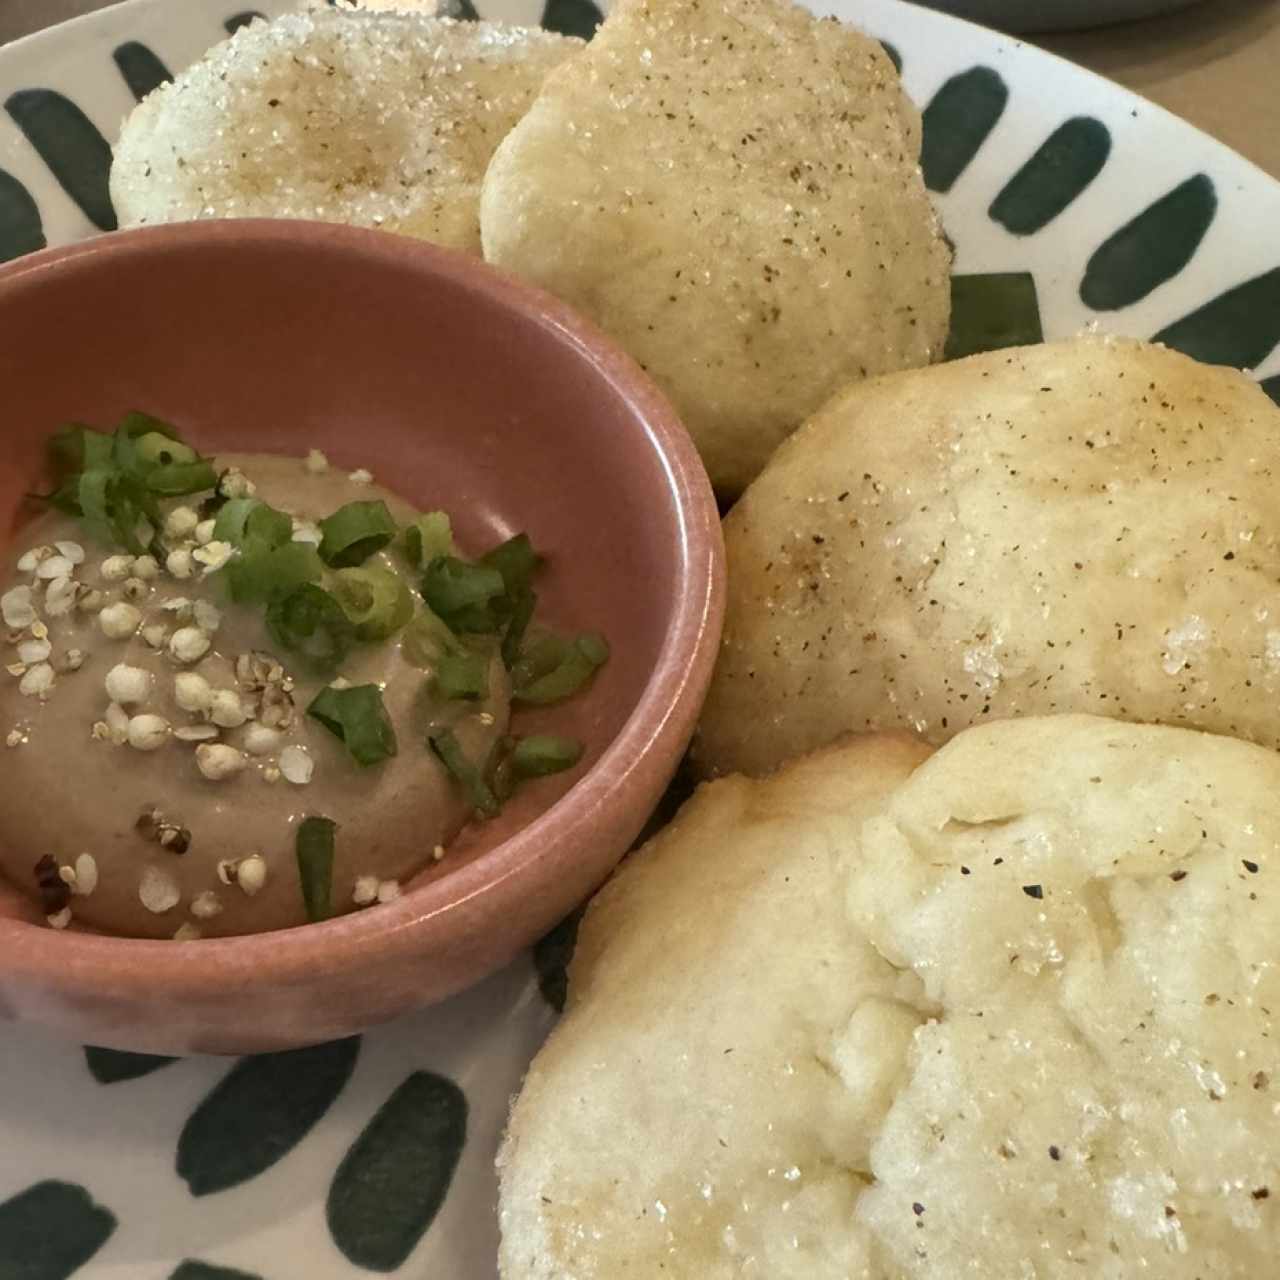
x=385 y=354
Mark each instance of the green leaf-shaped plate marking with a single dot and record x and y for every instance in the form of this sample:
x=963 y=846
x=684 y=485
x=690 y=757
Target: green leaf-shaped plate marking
x=141 y=69
x=21 y=230
x=70 y=144
x=1150 y=248
x=391 y=1184
x=956 y=123
x=572 y=17
x=1272 y=387
x=109 y=1066
x=1240 y=327
x=1063 y=166
x=190 y=1270
x=260 y=1110
x=238 y=20
x=50 y=1230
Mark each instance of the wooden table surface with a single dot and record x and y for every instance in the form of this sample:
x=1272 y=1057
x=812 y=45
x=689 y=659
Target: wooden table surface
x=1215 y=65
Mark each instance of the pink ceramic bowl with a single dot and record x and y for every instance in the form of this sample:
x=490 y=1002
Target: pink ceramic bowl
x=461 y=389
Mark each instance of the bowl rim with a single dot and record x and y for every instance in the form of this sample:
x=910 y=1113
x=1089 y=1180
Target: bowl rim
x=125 y=967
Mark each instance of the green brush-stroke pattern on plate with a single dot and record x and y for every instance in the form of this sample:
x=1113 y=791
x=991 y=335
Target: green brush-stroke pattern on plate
x=110 y=1066
x=551 y=955
x=1062 y=167
x=572 y=17
x=141 y=69
x=238 y=20
x=50 y=1230
x=260 y=1110
x=392 y=1182
x=1151 y=248
x=191 y=1270
x=992 y=311
x=21 y=230
x=460 y=10
x=894 y=56
x=956 y=123
x=1272 y=387
x=1239 y=327
x=70 y=145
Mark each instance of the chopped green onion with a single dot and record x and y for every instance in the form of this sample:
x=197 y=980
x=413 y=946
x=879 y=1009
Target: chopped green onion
x=265 y=526
x=462 y=595
x=449 y=750
x=376 y=600
x=357 y=717
x=135 y=424
x=521 y=615
x=517 y=561
x=231 y=519
x=314 y=851
x=541 y=654
x=311 y=623
x=177 y=479
x=426 y=639
x=430 y=535
x=355 y=532
x=158 y=450
x=462 y=675
x=261 y=576
x=579 y=661
x=541 y=754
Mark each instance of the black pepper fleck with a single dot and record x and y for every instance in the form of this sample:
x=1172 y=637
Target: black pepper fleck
x=1033 y=890
x=1054 y=1153
x=1250 y=867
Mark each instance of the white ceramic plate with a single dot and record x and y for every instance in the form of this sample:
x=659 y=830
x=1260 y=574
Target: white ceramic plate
x=377 y=1155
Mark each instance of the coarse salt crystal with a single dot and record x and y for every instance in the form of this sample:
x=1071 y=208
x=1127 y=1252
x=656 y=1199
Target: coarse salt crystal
x=54 y=567
x=16 y=608
x=179 y=563
x=297 y=765
x=37 y=681
x=206 y=905
x=30 y=651
x=207 y=615
x=86 y=877
x=189 y=644
x=60 y=597
x=158 y=891
x=251 y=873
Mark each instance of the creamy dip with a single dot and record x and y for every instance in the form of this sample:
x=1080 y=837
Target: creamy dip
x=116 y=795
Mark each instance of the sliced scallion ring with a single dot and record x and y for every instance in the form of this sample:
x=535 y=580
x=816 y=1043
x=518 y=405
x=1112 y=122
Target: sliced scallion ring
x=517 y=561
x=541 y=754
x=265 y=575
x=462 y=595
x=357 y=717
x=579 y=662
x=355 y=532
x=449 y=750
x=462 y=674
x=314 y=851
x=376 y=600
x=430 y=535
x=309 y=622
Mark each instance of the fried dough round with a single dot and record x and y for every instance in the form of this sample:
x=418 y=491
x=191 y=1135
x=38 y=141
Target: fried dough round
x=731 y=191
x=1007 y=1012
x=378 y=119
x=1087 y=526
